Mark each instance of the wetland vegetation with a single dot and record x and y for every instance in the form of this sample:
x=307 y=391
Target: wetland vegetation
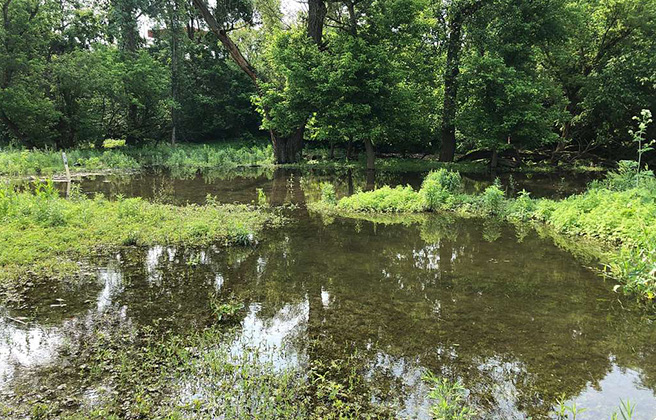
x=331 y=209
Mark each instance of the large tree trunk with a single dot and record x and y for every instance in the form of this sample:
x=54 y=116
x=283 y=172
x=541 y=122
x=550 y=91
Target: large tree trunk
x=448 y=150
x=288 y=149
x=316 y=16
x=457 y=14
x=128 y=45
x=174 y=29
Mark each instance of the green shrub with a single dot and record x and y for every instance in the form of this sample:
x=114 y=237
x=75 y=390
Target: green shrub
x=438 y=188
x=447 y=180
x=385 y=199
x=523 y=207
x=493 y=200
x=328 y=194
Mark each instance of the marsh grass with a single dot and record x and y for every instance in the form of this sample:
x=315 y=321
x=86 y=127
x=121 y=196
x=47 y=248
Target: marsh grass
x=184 y=158
x=46 y=236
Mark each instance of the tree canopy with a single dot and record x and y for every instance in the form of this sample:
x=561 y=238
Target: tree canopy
x=558 y=78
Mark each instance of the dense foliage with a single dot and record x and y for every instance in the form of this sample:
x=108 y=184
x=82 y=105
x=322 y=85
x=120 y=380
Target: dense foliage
x=557 y=78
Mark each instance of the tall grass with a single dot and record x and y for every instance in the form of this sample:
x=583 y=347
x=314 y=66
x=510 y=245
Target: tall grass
x=188 y=158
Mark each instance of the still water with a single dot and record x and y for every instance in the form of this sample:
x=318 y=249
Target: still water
x=518 y=320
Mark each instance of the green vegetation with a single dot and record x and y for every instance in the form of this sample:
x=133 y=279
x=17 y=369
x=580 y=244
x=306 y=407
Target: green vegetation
x=499 y=80
x=45 y=235
x=620 y=211
x=449 y=399
x=182 y=159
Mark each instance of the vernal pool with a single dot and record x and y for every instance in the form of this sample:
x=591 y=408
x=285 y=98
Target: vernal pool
x=519 y=321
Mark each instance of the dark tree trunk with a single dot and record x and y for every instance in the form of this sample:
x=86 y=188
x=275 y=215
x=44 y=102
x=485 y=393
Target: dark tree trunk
x=371 y=180
x=128 y=45
x=174 y=28
x=316 y=16
x=494 y=161
x=448 y=150
x=349 y=181
x=371 y=154
x=456 y=18
x=288 y=149
x=349 y=150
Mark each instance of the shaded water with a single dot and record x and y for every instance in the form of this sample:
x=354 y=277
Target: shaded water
x=241 y=184
x=517 y=319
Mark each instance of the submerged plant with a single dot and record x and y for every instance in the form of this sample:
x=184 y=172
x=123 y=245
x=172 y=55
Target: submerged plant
x=225 y=309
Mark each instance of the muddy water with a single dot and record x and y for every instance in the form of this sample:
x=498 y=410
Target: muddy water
x=519 y=321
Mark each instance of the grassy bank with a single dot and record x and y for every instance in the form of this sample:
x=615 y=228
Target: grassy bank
x=183 y=157
x=619 y=211
x=43 y=235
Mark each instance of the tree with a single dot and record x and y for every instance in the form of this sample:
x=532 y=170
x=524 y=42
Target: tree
x=287 y=144
x=456 y=13
x=605 y=66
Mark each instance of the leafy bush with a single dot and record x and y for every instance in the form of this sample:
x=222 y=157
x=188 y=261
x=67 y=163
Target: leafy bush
x=328 y=194
x=385 y=199
x=523 y=207
x=438 y=187
x=493 y=200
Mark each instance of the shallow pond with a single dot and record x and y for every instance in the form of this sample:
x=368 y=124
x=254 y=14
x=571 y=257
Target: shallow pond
x=518 y=320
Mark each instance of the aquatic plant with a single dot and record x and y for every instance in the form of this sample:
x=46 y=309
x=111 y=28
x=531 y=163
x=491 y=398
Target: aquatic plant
x=46 y=236
x=449 y=399
x=384 y=199
x=225 y=309
x=261 y=198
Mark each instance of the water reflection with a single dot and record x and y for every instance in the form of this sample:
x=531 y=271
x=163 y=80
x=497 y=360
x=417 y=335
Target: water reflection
x=285 y=185
x=517 y=319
